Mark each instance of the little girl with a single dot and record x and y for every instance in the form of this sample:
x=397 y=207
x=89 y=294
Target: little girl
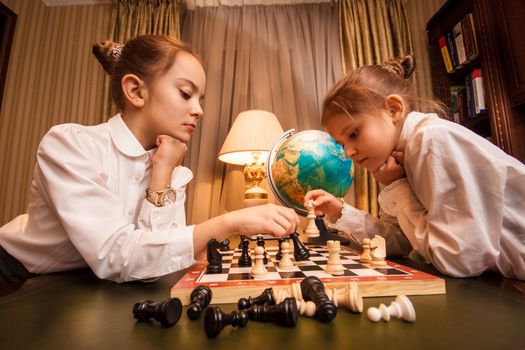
x=451 y=195
x=111 y=196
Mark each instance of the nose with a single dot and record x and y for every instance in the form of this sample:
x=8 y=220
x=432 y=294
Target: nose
x=350 y=151
x=196 y=110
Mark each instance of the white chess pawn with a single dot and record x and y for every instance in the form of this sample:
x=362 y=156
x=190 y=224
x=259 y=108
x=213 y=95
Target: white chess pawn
x=378 y=252
x=285 y=263
x=349 y=296
x=334 y=265
x=365 y=256
x=259 y=268
x=400 y=308
x=311 y=229
x=305 y=308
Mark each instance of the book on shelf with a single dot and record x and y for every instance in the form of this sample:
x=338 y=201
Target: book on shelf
x=446 y=54
x=469 y=92
x=453 y=51
x=479 y=91
x=469 y=37
x=460 y=45
x=458 y=103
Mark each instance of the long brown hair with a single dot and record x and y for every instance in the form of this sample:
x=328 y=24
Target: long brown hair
x=367 y=87
x=146 y=56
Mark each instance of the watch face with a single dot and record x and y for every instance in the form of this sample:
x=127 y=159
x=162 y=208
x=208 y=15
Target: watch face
x=168 y=197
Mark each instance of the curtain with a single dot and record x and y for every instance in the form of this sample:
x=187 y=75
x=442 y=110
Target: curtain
x=371 y=31
x=280 y=58
x=137 y=17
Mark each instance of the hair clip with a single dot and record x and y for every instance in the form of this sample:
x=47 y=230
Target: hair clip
x=391 y=69
x=117 y=51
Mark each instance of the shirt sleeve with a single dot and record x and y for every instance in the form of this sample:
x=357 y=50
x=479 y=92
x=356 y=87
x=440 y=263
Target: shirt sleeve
x=74 y=181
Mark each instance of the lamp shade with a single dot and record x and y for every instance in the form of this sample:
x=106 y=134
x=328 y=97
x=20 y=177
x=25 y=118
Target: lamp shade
x=253 y=131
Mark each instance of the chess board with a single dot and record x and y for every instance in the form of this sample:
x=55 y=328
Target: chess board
x=235 y=282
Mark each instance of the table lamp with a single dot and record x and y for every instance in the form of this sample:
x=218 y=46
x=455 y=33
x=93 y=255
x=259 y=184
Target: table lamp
x=248 y=142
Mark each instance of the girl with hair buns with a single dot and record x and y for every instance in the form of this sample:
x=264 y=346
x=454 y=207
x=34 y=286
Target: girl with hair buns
x=450 y=195
x=111 y=196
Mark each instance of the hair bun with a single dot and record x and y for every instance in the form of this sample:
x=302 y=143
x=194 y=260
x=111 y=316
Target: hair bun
x=403 y=67
x=105 y=51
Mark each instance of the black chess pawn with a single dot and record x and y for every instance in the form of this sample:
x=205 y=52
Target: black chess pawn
x=214 y=257
x=265 y=297
x=166 y=312
x=260 y=243
x=300 y=252
x=215 y=320
x=245 y=260
x=313 y=289
x=279 y=254
x=200 y=298
x=224 y=246
x=241 y=239
x=285 y=313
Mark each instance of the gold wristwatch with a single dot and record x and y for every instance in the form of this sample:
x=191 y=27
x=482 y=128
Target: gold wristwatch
x=161 y=198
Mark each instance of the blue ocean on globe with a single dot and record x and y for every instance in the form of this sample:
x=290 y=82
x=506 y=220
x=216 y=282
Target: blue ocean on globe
x=305 y=161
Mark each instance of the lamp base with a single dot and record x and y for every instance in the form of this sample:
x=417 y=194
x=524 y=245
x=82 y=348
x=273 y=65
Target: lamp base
x=255 y=195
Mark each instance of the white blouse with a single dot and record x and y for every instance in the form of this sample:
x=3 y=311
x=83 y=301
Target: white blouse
x=88 y=208
x=461 y=206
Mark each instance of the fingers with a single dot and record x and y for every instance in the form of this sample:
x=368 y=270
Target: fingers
x=399 y=157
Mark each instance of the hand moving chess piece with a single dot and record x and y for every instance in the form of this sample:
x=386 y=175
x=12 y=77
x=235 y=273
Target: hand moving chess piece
x=166 y=312
x=300 y=253
x=313 y=289
x=265 y=297
x=215 y=320
x=311 y=229
x=200 y=298
x=214 y=257
x=400 y=308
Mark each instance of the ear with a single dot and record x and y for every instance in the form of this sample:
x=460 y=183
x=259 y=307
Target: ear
x=395 y=106
x=134 y=89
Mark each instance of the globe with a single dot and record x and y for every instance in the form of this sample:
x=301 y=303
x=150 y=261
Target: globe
x=304 y=161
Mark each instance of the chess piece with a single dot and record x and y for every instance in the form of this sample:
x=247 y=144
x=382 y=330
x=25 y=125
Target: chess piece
x=265 y=297
x=200 y=297
x=305 y=308
x=378 y=252
x=258 y=268
x=215 y=320
x=400 y=308
x=166 y=312
x=224 y=246
x=245 y=260
x=334 y=265
x=313 y=289
x=279 y=254
x=285 y=313
x=300 y=252
x=286 y=263
x=214 y=257
x=348 y=296
x=365 y=256
x=260 y=243
x=311 y=229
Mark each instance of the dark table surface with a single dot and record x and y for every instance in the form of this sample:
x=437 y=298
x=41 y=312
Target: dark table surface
x=76 y=310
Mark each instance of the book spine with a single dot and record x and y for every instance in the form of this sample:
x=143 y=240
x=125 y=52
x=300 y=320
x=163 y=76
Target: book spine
x=460 y=45
x=445 y=54
x=479 y=92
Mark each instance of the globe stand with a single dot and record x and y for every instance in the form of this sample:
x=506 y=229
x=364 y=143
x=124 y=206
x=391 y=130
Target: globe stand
x=325 y=234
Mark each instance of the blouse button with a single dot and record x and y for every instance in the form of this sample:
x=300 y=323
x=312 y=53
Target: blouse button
x=137 y=177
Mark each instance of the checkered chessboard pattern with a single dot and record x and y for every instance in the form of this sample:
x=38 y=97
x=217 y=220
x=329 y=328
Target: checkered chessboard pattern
x=314 y=266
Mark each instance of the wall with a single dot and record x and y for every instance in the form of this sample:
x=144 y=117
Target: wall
x=52 y=78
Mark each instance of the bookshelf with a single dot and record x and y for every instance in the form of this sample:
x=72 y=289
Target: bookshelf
x=500 y=113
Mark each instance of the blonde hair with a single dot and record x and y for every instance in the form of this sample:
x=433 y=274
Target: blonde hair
x=146 y=56
x=367 y=87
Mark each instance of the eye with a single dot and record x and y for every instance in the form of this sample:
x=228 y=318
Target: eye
x=185 y=95
x=353 y=134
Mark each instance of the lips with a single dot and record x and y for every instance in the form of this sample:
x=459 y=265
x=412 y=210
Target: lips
x=190 y=127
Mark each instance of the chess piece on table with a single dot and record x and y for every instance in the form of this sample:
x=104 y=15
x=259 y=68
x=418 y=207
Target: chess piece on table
x=300 y=252
x=334 y=265
x=215 y=320
x=378 y=252
x=245 y=260
x=348 y=296
x=265 y=297
x=311 y=229
x=400 y=308
x=200 y=297
x=286 y=263
x=214 y=257
x=279 y=254
x=285 y=313
x=258 y=268
x=166 y=312
x=305 y=308
x=313 y=289
x=365 y=256
x=260 y=243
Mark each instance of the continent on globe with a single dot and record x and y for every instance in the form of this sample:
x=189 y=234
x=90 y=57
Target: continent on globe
x=304 y=161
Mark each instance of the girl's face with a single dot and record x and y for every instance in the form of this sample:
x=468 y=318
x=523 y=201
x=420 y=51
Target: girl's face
x=173 y=100
x=368 y=139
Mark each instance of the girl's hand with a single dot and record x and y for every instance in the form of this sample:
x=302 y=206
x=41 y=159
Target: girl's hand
x=269 y=218
x=170 y=152
x=325 y=204
x=392 y=170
